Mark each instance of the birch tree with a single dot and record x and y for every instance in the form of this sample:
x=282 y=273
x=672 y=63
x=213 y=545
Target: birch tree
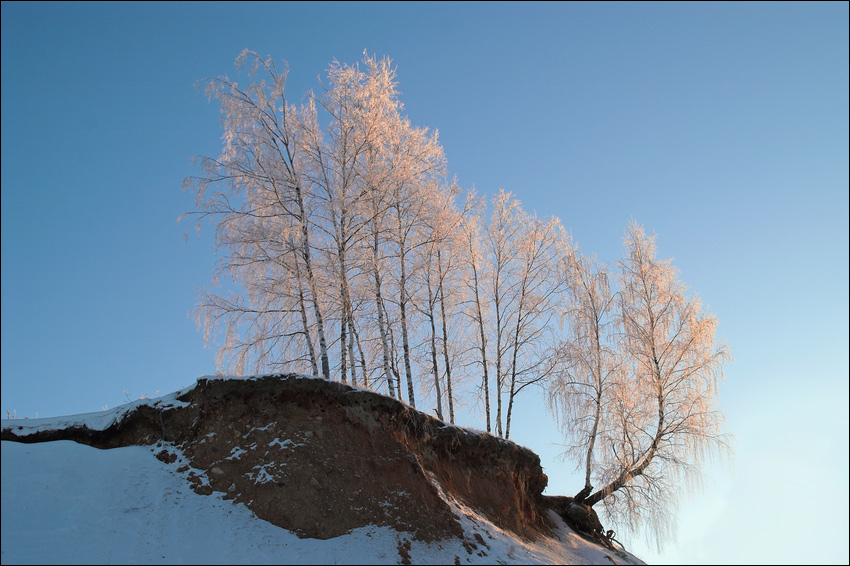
x=376 y=208
x=450 y=294
x=652 y=390
x=590 y=361
x=256 y=194
x=361 y=106
x=477 y=308
x=502 y=237
x=315 y=208
x=419 y=164
x=538 y=290
x=437 y=262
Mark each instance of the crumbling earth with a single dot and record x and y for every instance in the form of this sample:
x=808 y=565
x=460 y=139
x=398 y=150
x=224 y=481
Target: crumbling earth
x=321 y=458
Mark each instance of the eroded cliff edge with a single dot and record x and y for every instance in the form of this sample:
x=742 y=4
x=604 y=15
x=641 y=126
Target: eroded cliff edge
x=321 y=458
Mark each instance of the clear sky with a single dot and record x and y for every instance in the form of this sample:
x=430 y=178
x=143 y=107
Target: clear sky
x=721 y=127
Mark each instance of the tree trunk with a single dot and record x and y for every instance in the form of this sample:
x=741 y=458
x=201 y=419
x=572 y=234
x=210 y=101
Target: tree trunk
x=596 y=418
x=449 y=393
x=582 y=495
x=499 y=377
x=311 y=281
x=379 y=306
x=512 y=392
x=302 y=304
x=343 y=324
x=435 y=368
x=405 y=344
x=344 y=295
x=483 y=348
x=363 y=368
x=627 y=475
x=351 y=351
x=394 y=366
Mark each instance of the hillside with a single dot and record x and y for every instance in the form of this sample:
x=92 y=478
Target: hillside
x=279 y=468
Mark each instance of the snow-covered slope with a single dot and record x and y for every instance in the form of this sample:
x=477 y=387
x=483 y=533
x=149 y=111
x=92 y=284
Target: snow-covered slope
x=64 y=502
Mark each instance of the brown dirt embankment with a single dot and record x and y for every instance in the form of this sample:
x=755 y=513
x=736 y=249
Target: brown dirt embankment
x=320 y=458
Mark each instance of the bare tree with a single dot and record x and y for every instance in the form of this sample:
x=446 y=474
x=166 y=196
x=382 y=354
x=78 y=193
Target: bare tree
x=437 y=256
x=502 y=244
x=450 y=293
x=655 y=414
x=419 y=165
x=578 y=394
x=538 y=290
x=317 y=207
x=361 y=106
x=444 y=269
x=377 y=268
x=476 y=269
x=262 y=215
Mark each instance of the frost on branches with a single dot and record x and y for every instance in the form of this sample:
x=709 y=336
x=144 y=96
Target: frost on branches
x=637 y=394
x=354 y=257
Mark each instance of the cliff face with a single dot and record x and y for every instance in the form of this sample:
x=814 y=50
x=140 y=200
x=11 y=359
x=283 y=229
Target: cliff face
x=321 y=458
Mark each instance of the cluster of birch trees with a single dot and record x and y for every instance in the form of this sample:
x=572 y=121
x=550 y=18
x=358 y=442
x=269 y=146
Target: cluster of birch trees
x=355 y=258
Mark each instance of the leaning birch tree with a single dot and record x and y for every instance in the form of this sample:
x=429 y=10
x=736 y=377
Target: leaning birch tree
x=650 y=391
x=579 y=392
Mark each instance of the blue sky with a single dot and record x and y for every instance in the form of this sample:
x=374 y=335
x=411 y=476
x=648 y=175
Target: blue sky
x=721 y=127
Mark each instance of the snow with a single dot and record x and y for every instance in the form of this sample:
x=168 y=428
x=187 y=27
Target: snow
x=94 y=421
x=64 y=502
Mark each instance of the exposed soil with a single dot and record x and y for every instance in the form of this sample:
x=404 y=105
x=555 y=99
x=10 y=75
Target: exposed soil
x=320 y=458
